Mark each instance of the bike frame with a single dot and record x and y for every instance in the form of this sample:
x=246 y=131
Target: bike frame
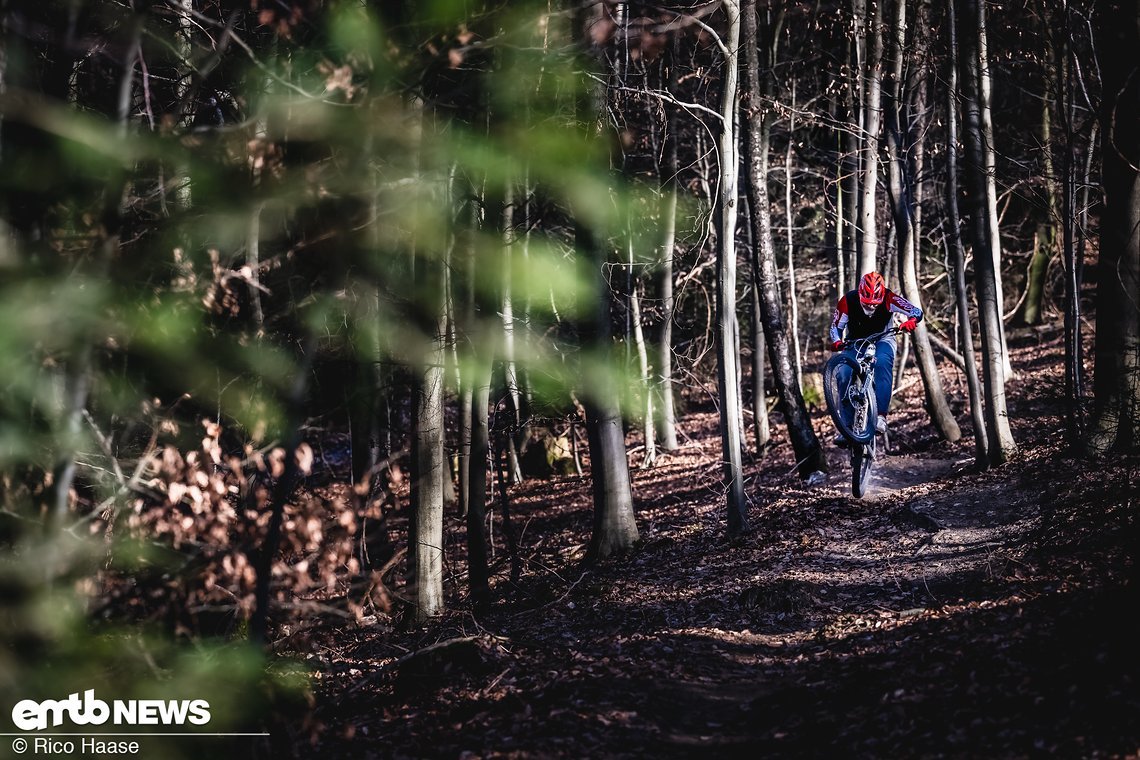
x=862 y=383
x=860 y=394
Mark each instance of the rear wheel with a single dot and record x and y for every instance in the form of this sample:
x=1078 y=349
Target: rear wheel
x=853 y=411
x=861 y=459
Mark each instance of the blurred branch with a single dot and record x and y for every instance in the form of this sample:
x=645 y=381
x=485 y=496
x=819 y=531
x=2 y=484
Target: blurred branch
x=660 y=94
x=98 y=134
x=105 y=445
x=230 y=34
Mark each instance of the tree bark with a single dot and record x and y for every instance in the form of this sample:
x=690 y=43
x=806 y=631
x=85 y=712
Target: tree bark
x=899 y=144
x=1116 y=384
x=731 y=436
x=510 y=367
x=425 y=543
x=425 y=524
x=872 y=108
x=793 y=301
x=808 y=453
x=1074 y=376
x=614 y=526
x=985 y=98
x=478 y=575
x=646 y=380
x=76 y=377
x=998 y=433
x=465 y=318
x=282 y=488
x=1045 y=238
x=482 y=348
x=761 y=427
x=666 y=413
x=853 y=142
x=958 y=256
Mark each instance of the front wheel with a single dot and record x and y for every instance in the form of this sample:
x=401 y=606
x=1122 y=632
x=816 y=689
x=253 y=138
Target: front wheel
x=853 y=411
x=861 y=459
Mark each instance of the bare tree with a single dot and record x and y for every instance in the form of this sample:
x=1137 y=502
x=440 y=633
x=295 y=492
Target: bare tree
x=761 y=426
x=957 y=255
x=666 y=414
x=1045 y=236
x=873 y=110
x=507 y=313
x=1116 y=387
x=852 y=144
x=999 y=435
x=758 y=117
x=425 y=541
x=985 y=116
x=900 y=141
x=731 y=436
x=793 y=300
x=614 y=526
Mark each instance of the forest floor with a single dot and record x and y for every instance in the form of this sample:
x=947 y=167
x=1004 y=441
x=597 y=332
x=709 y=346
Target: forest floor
x=949 y=613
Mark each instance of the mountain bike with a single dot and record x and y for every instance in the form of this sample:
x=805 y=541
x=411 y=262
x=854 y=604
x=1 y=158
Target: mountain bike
x=854 y=408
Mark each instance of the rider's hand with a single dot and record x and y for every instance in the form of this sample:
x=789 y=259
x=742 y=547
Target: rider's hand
x=837 y=345
x=909 y=325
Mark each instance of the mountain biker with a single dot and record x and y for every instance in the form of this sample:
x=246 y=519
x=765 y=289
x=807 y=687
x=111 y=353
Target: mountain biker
x=867 y=310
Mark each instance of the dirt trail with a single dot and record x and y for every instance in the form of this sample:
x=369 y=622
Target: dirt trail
x=894 y=472
x=925 y=619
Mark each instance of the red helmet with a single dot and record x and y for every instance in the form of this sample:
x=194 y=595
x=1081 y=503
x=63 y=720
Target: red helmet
x=872 y=289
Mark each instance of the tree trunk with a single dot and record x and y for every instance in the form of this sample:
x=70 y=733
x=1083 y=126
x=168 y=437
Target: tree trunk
x=282 y=488
x=853 y=142
x=898 y=146
x=1116 y=385
x=482 y=351
x=726 y=325
x=958 y=256
x=646 y=381
x=1045 y=238
x=999 y=436
x=872 y=108
x=840 y=234
x=793 y=301
x=425 y=543
x=510 y=368
x=808 y=453
x=465 y=317
x=77 y=367
x=1073 y=342
x=1074 y=376
x=425 y=523
x=761 y=428
x=666 y=414
x=184 y=197
x=614 y=527
x=985 y=98
x=369 y=394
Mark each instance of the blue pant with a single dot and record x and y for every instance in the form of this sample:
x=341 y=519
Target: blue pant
x=884 y=372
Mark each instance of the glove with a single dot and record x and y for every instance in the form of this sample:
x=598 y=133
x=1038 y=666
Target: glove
x=837 y=345
x=909 y=325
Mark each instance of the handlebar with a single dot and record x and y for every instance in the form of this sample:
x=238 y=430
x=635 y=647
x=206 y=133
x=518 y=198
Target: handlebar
x=872 y=338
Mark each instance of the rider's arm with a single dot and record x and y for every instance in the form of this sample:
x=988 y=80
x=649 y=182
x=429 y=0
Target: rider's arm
x=839 y=320
x=900 y=305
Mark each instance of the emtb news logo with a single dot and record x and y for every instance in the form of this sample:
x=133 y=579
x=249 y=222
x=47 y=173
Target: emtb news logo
x=30 y=715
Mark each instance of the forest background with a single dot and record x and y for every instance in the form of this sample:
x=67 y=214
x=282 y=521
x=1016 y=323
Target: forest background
x=287 y=287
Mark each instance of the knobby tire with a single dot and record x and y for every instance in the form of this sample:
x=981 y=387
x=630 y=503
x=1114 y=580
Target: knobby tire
x=861 y=460
x=842 y=412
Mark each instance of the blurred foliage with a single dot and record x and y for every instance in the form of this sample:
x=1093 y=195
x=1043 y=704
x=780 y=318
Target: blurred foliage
x=213 y=203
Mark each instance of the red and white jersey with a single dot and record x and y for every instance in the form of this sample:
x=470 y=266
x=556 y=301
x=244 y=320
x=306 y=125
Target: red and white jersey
x=849 y=315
